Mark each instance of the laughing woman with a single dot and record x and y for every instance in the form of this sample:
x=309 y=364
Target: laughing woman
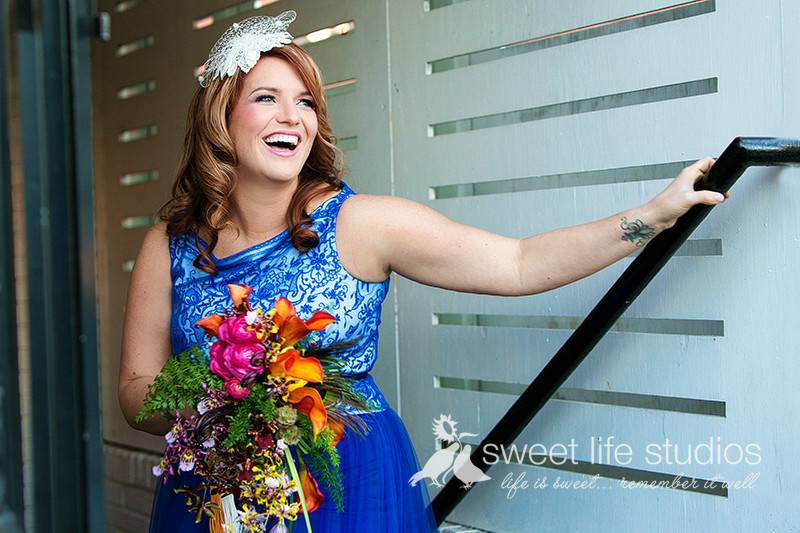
x=259 y=200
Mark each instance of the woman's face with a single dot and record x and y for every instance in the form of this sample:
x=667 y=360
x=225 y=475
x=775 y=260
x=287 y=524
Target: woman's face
x=273 y=123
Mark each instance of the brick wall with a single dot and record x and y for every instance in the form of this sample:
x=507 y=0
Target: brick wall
x=129 y=487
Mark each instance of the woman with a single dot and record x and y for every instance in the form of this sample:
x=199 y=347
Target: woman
x=259 y=199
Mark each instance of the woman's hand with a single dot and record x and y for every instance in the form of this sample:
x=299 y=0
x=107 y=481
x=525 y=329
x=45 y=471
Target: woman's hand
x=665 y=209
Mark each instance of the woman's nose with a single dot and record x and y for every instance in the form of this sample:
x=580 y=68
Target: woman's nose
x=288 y=113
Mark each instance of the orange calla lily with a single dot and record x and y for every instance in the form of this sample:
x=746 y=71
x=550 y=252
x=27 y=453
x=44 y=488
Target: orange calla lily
x=283 y=310
x=293 y=328
x=240 y=294
x=290 y=363
x=210 y=324
x=308 y=401
x=338 y=430
x=311 y=492
x=319 y=320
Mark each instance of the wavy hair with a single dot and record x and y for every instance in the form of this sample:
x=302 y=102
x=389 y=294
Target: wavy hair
x=206 y=177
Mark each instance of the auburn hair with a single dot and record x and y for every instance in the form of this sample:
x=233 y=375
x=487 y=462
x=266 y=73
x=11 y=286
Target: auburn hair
x=206 y=176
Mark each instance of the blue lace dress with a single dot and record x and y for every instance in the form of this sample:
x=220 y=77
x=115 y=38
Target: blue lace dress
x=376 y=468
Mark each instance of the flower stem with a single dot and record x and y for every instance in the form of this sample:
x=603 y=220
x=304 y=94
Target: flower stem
x=296 y=478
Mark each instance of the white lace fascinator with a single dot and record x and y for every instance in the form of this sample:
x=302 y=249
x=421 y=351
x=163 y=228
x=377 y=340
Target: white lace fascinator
x=242 y=43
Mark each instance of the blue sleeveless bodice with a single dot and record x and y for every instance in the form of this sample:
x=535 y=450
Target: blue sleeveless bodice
x=311 y=281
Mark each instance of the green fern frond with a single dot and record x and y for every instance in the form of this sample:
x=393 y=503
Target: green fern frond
x=179 y=384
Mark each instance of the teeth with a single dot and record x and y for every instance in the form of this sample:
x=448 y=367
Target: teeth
x=291 y=139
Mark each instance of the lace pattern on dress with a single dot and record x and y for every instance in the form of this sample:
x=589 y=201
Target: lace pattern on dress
x=312 y=280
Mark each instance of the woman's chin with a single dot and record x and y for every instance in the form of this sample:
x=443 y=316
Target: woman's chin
x=283 y=177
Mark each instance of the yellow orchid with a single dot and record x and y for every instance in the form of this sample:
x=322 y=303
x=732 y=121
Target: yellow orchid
x=292 y=384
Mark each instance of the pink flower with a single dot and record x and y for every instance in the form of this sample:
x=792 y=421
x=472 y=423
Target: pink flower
x=234 y=330
x=230 y=356
x=236 y=390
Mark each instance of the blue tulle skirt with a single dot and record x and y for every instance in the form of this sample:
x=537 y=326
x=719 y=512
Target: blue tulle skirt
x=377 y=494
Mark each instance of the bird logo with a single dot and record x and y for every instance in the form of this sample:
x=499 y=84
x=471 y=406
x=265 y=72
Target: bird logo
x=455 y=457
x=439 y=463
x=467 y=472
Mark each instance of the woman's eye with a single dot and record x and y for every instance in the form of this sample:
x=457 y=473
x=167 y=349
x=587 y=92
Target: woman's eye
x=269 y=98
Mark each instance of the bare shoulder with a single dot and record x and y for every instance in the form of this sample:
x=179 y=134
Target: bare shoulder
x=371 y=226
x=360 y=235
x=152 y=262
x=156 y=240
x=387 y=218
x=383 y=209
x=320 y=198
x=419 y=243
x=158 y=232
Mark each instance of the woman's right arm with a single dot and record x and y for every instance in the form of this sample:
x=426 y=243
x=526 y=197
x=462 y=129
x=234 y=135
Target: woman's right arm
x=146 y=343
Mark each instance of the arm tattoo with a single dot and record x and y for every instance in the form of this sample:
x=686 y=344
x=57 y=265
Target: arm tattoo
x=636 y=232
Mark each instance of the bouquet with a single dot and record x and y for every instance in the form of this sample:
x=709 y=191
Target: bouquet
x=262 y=389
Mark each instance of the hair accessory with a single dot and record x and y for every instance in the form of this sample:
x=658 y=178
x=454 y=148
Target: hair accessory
x=241 y=45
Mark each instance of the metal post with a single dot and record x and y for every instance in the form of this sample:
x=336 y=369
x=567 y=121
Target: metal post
x=83 y=28
x=11 y=498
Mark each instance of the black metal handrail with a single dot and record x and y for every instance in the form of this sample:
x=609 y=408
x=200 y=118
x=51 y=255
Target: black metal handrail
x=740 y=154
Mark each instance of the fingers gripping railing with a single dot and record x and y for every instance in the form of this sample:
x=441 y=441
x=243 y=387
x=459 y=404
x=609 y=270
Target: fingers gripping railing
x=742 y=153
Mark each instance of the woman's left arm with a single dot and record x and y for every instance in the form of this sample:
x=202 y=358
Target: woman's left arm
x=421 y=244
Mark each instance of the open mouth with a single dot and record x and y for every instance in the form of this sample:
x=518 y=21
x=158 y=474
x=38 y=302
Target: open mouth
x=282 y=144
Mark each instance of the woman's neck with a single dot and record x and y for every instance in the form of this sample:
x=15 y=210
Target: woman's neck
x=259 y=211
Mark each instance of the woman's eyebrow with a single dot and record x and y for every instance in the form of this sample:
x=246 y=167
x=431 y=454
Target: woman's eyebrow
x=276 y=90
